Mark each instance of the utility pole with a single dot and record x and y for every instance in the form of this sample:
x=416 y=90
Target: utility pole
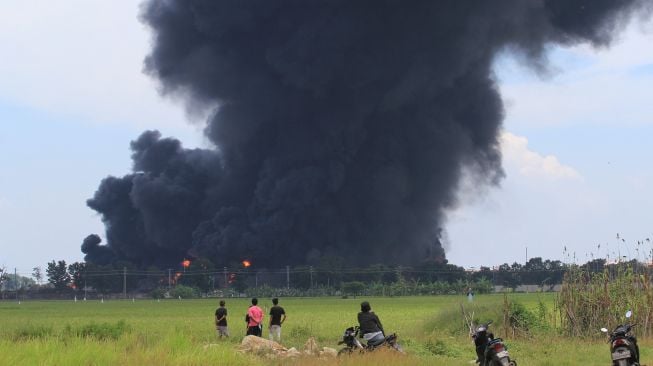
x=124 y=282
x=288 y=277
x=169 y=278
x=226 y=284
x=311 y=272
x=526 y=255
x=16 y=282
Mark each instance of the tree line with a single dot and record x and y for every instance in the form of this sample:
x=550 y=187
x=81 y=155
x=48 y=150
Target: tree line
x=202 y=276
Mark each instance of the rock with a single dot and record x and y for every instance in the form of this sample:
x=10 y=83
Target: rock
x=293 y=352
x=271 y=350
x=328 y=352
x=310 y=347
x=260 y=345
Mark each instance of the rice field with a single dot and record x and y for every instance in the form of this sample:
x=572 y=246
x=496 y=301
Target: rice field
x=182 y=332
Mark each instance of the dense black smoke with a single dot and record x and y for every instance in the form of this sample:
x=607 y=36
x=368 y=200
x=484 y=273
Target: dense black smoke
x=341 y=127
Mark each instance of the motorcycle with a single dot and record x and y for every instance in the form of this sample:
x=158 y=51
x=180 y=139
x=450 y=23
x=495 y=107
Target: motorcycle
x=349 y=339
x=490 y=351
x=623 y=344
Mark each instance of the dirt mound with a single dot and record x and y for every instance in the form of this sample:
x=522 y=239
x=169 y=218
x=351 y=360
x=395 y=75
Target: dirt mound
x=266 y=348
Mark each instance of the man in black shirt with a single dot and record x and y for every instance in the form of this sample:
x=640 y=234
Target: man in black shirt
x=370 y=325
x=277 y=317
x=221 y=320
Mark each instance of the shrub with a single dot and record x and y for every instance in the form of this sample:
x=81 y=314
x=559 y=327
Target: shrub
x=100 y=331
x=353 y=288
x=158 y=293
x=33 y=332
x=520 y=318
x=184 y=292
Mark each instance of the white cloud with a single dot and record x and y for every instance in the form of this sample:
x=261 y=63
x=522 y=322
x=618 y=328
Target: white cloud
x=532 y=164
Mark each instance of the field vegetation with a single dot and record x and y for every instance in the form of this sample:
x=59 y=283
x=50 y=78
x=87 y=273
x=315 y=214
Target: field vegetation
x=176 y=332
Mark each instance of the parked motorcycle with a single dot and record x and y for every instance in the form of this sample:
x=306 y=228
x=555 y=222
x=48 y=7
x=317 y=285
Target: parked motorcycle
x=623 y=344
x=351 y=342
x=490 y=351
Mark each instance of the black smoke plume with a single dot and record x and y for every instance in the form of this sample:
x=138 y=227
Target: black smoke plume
x=341 y=127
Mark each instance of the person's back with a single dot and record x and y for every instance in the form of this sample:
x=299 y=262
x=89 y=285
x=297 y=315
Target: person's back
x=221 y=320
x=255 y=315
x=369 y=322
x=277 y=317
x=254 y=319
x=370 y=325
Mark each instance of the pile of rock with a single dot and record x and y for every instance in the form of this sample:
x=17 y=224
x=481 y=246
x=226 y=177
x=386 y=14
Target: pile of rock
x=266 y=348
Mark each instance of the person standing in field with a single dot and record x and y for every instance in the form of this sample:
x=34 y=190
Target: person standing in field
x=221 y=320
x=277 y=317
x=254 y=318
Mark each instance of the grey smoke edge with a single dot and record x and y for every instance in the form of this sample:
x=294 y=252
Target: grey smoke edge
x=342 y=126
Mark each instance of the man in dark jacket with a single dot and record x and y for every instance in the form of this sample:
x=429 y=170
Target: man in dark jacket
x=370 y=326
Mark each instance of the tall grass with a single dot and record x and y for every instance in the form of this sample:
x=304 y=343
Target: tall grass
x=589 y=301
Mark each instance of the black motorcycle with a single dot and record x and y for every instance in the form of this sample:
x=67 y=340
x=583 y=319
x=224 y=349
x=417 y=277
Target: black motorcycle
x=623 y=344
x=490 y=351
x=351 y=342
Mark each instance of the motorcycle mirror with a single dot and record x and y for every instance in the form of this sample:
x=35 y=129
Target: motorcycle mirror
x=604 y=330
x=629 y=314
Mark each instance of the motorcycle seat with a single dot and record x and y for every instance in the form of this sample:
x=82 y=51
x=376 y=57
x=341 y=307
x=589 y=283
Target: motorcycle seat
x=376 y=342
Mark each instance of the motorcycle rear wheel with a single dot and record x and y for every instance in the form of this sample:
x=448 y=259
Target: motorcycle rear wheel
x=501 y=362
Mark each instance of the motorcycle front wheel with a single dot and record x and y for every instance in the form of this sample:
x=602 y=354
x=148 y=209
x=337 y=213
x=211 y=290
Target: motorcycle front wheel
x=398 y=348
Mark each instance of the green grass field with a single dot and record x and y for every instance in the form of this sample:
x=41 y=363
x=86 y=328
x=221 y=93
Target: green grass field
x=174 y=332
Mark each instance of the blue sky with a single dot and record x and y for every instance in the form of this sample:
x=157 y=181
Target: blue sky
x=72 y=96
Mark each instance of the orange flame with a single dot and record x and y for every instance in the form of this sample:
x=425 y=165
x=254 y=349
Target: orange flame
x=186 y=263
x=246 y=263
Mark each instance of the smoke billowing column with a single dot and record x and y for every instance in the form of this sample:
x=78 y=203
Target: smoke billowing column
x=341 y=127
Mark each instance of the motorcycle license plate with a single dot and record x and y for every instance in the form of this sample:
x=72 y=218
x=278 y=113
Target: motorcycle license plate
x=502 y=354
x=620 y=355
